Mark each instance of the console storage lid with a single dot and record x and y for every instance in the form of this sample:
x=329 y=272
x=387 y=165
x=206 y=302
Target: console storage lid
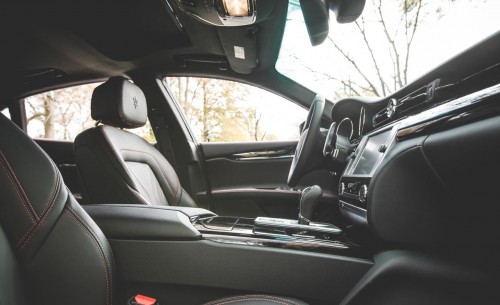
x=139 y=222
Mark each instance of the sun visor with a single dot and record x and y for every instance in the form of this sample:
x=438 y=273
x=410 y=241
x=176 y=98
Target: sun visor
x=240 y=46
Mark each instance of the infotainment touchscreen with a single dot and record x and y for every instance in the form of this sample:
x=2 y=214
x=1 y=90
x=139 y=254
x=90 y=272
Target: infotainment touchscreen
x=371 y=154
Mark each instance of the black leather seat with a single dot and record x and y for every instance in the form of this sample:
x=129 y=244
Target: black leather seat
x=117 y=166
x=51 y=251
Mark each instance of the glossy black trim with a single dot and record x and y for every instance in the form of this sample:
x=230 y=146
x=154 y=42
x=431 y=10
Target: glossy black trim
x=242 y=231
x=461 y=110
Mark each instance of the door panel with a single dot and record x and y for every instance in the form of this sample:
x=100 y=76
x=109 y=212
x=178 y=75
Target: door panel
x=249 y=180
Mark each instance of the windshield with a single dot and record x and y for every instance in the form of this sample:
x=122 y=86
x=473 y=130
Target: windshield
x=391 y=44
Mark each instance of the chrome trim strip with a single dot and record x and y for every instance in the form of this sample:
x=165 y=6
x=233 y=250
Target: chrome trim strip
x=288 y=241
x=448 y=108
x=293 y=224
x=357 y=209
x=284 y=153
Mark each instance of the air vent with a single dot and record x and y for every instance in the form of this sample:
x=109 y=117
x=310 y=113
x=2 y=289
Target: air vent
x=397 y=108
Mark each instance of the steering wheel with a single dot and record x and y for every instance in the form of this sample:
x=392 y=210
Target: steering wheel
x=308 y=153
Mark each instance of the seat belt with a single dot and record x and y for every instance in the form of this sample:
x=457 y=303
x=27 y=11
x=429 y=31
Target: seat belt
x=164 y=142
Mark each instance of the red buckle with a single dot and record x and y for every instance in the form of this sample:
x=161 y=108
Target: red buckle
x=144 y=300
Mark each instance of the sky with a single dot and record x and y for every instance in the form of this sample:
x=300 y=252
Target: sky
x=459 y=25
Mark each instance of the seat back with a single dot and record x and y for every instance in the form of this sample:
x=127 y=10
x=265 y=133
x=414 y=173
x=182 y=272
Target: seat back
x=52 y=252
x=117 y=166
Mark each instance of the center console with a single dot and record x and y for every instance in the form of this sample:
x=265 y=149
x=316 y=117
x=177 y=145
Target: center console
x=276 y=232
x=354 y=184
x=190 y=247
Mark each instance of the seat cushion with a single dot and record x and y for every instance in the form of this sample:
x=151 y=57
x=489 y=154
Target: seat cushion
x=117 y=166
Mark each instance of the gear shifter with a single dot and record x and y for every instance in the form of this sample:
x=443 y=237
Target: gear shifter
x=308 y=200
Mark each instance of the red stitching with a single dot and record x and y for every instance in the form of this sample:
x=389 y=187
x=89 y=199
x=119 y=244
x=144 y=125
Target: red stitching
x=58 y=178
x=170 y=187
x=101 y=254
x=101 y=128
x=21 y=244
x=93 y=232
x=17 y=192
x=261 y=297
x=20 y=185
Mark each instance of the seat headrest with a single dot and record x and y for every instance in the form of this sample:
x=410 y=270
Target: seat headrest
x=120 y=103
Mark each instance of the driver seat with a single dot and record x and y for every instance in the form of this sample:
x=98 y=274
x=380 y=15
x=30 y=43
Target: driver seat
x=117 y=166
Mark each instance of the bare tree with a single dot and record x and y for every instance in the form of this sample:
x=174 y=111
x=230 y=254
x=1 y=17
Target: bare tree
x=213 y=110
x=398 y=42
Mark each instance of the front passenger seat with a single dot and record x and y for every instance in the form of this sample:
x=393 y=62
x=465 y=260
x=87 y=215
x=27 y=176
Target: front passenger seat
x=117 y=166
x=51 y=251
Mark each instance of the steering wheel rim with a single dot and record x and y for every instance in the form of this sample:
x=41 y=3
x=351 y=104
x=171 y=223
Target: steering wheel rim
x=310 y=140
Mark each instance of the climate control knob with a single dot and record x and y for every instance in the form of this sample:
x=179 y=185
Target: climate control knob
x=363 y=192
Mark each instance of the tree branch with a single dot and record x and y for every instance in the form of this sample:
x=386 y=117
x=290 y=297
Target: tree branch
x=353 y=63
x=391 y=43
x=410 y=41
x=383 y=85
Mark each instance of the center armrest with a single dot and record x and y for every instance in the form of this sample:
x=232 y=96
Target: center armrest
x=140 y=222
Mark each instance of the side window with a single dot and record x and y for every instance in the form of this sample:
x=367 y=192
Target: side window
x=62 y=114
x=227 y=111
x=6 y=112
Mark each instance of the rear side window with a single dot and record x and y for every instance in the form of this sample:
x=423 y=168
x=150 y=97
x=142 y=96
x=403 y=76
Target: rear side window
x=62 y=114
x=6 y=112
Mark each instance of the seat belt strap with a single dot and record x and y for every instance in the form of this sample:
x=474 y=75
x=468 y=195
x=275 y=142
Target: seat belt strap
x=164 y=142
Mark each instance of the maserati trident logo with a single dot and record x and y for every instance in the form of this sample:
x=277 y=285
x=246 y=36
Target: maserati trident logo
x=136 y=103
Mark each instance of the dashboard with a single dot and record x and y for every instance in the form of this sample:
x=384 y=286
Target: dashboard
x=414 y=152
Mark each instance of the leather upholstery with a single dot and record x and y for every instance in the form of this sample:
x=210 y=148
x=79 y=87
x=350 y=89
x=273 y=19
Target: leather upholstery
x=51 y=251
x=120 y=103
x=120 y=167
x=63 y=255
x=256 y=299
x=117 y=166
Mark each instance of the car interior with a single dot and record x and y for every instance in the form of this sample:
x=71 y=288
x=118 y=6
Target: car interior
x=377 y=200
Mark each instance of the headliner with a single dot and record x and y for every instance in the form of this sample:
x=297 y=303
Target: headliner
x=93 y=40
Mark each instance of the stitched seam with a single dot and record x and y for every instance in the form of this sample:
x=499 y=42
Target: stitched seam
x=54 y=167
x=253 y=299
x=20 y=186
x=138 y=196
x=93 y=233
x=55 y=189
x=100 y=254
x=117 y=186
x=21 y=244
x=101 y=128
x=241 y=297
x=140 y=183
x=17 y=192
x=170 y=187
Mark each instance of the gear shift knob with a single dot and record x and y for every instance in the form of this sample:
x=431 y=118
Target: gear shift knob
x=308 y=200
